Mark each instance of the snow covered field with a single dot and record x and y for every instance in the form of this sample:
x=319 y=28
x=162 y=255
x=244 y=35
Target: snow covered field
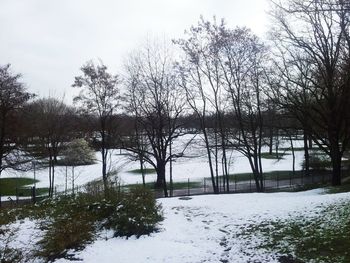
x=194 y=168
x=202 y=229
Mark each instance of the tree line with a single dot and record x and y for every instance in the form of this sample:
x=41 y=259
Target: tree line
x=235 y=90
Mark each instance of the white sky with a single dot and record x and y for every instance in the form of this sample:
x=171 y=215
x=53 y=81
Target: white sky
x=49 y=40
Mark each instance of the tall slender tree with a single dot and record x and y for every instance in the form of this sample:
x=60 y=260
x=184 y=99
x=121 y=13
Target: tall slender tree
x=202 y=81
x=100 y=96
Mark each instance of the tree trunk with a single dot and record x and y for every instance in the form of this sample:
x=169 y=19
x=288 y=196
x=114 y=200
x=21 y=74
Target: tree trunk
x=142 y=172
x=271 y=140
x=161 y=181
x=216 y=161
x=50 y=175
x=53 y=178
x=104 y=171
x=66 y=181
x=306 y=155
x=171 y=170
x=104 y=156
x=336 y=164
x=73 y=191
x=207 y=145
x=257 y=175
x=293 y=153
x=277 y=143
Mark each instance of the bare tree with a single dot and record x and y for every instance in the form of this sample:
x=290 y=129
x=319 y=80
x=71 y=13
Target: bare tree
x=50 y=122
x=157 y=104
x=100 y=96
x=314 y=43
x=225 y=73
x=202 y=81
x=242 y=61
x=13 y=97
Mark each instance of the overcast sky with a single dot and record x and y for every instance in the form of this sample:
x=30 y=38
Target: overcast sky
x=49 y=40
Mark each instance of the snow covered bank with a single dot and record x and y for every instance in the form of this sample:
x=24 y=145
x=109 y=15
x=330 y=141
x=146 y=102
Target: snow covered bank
x=208 y=229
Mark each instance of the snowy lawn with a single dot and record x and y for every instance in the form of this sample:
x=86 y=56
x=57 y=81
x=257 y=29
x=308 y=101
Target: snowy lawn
x=194 y=169
x=222 y=228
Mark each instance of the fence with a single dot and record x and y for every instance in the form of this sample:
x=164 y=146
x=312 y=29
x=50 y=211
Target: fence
x=275 y=181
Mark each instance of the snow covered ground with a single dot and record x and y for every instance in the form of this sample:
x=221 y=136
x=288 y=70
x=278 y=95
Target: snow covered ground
x=195 y=167
x=207 y=228
x=201 y=229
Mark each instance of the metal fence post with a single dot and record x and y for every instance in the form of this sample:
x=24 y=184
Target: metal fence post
x=250 y=182
x=16 y=195
x=33 y=195
x=235 y=182
x=204 y=186
x=188 y=186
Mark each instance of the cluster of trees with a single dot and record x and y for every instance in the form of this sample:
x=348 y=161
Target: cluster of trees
x=235 y=90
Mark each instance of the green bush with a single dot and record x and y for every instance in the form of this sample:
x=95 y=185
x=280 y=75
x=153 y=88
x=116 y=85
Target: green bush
x=137 y=214
x=71 y=231
x=70 y=226
x=73 y=222
x=318 y=162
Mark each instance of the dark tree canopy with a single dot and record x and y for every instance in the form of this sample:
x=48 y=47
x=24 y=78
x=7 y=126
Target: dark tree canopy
x=13 y=96
x=313 y=62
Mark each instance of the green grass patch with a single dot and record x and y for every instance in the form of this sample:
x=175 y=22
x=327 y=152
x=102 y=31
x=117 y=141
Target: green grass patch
x=185 y=185
x=146 y=171
x=296 y=149
x=19 y=186
x=324 y=237
x=345 y=187
x=274 y=175
x=176 y=185
x=267 y=155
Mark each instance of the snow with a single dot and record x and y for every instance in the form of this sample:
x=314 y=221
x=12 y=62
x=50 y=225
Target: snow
x=207 y=228
x=204 y=228
x=201 y=229
x=194 y=168
x=22 y=235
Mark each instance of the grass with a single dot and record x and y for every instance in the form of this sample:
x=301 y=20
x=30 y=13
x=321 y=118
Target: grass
x=324 y=237
x=273 y=175
x=345 y=187
x=280 y=175
x=146 y=171
x=290 y=149
x=267 y=155
x=19 y=186
x=176 y=185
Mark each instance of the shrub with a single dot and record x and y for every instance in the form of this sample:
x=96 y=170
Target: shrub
x=318 y=162
x=70 y=226
x=67 y=232
x=73 y=221
x=137 y=214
